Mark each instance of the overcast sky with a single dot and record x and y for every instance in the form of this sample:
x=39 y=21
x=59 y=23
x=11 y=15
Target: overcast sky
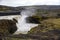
x=29 y=2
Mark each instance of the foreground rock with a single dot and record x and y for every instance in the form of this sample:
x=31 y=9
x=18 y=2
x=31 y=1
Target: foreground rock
x=48 y=30
x=7 y=26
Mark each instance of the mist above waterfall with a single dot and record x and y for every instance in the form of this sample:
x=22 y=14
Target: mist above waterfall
x=28 y=11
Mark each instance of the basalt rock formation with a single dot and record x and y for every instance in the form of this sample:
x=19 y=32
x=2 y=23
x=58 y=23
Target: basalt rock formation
x=7 y=26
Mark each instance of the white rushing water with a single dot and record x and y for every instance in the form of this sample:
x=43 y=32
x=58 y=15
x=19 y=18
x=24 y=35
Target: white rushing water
x=10 y=17
x=23 y=26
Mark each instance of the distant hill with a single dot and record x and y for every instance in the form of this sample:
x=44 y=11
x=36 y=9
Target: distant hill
x=42 y=7
x=8 y=8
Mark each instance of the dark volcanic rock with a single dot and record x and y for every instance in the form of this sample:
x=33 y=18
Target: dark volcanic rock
x=7 y=26
x=32 y=20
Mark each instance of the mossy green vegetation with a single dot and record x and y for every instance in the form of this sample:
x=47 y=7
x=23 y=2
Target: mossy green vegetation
x=46 y=25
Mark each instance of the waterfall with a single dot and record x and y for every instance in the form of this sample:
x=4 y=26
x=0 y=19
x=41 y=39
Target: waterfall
x=24 y=27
